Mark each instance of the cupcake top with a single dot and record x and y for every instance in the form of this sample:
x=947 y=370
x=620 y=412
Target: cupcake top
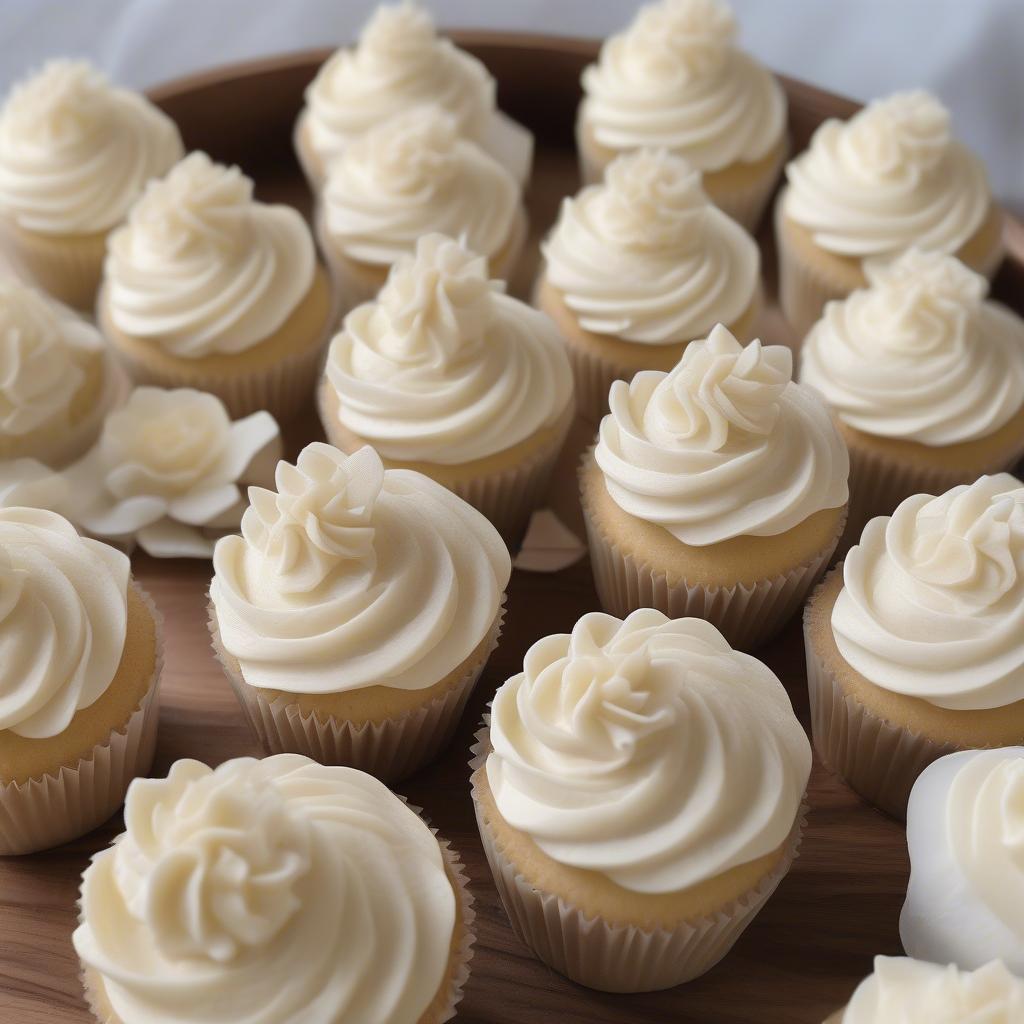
x=965 y=901
x=63 y=621
x=725 y=445
x=675 y=78
x=646 y=256
x=413 y=174
x=349 y=576
x=919 y=355
x=890 y=177
x=443 y=367
x=285 y=889
x=201 y=268
x=647 y=750
x=75 y=152
x=933 y=599
x=915 y=992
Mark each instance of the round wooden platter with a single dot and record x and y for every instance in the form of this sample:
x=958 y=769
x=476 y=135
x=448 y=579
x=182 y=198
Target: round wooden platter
x=837 y=908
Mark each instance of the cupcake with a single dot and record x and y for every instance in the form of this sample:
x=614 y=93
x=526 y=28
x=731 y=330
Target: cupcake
x=356 y=611
x=675 y=79
x=889 y=178
x=446 y=375
x=638 y=267
x=57 y=378
x=81 y=659
x=411 y=175
x=400 y=62
x=206 y=288
x=275 y=891
x=915 y=646
x=916 y=992
x=639 y=795
x=716 y=490
x=924 y=378
x=965 y=901
x=75 y=153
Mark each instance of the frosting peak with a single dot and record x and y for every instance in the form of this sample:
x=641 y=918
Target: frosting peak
x=692 y=37
x=61 y=105
x=905 y=133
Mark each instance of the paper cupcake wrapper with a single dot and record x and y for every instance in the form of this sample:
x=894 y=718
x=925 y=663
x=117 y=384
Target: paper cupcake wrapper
x=620 y=958
x=54 y=808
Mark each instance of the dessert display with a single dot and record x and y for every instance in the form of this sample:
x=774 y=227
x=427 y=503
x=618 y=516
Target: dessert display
x=445 y=374
x=638 y=793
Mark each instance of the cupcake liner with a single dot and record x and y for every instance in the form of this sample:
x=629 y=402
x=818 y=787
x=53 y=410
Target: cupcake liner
x=391 y=750
x=54 y=808
x=620 y=958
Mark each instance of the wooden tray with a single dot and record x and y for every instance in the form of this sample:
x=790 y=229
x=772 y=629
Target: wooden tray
x=840 y=904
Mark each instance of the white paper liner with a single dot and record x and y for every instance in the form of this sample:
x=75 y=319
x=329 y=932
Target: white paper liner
x=619 y=958
x=54 y=808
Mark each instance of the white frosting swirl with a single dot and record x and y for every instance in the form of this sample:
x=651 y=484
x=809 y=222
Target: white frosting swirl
x=674 y=78
x=933 y=601
x=288 y=891
x=75 y=152
x=648 y=750
x=411 y=175
x=725 y=445
x=63 y=621
x=918 y=355
x=201 y=268
x=965 y=833
x=905 y=991
x=888 y=178
x=646 y=257
x=350 y=576
x=444 y=368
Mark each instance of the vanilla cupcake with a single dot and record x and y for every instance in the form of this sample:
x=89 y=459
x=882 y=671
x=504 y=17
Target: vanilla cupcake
x=675 y=79
x=916 y=992
x=206 y=288
x=915 y=647
x=75 y=153
x=57 y=378
x=446 y=375
x=889 y=178
x=639 y=796
x=924 y=378
x=400 y=62
x=81 y=660
x=274 y=891
x=716 y=490
x=356 y=611
x=965 y=900
x=411 y=175
x=638 y=267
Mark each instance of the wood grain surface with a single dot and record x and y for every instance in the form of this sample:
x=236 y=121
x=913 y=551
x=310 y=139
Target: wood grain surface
x=837 y=908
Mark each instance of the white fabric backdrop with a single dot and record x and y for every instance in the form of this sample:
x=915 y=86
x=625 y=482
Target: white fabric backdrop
x=970 y=52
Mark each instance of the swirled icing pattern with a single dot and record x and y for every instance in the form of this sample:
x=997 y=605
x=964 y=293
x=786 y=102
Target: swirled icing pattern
x=675 y=78
x=63 y=621
x=888 y=178
x=291 y=892
x=725 y=445
x=202 y=269
x=75 y=152
x=918 y=355
x=645 y=256
x=349 y=576
x=933 y=598
x=443 y=367
x=647 y=750
x=411 y=175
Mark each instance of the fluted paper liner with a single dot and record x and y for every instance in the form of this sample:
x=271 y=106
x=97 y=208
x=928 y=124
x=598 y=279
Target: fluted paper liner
x=391 y=750
x=54 y=808
x=619 y=958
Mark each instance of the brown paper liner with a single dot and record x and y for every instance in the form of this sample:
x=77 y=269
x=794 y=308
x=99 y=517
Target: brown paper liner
x=54 y=808
x=619 y=958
